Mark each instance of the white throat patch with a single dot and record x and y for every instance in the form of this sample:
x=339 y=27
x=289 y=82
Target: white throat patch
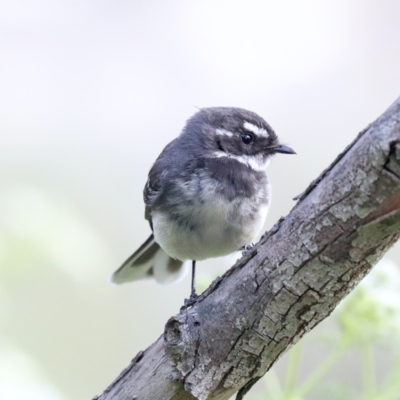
x=254 y=162
x=255 y=129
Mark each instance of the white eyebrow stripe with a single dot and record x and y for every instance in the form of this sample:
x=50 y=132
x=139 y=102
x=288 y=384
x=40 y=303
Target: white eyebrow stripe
x=224 y=132
x=255 y=129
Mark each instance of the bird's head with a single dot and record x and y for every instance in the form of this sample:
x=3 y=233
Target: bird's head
x=235 y=133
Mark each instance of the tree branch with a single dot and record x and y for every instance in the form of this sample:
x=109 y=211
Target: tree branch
x=293 y=279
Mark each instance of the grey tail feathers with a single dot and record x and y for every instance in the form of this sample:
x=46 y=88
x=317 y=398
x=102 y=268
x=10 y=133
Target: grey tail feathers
x=148 y=261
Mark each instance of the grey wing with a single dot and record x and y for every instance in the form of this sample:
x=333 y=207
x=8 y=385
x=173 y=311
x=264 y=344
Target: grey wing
x=150 y=259
x=151 y=191
x=148 y=194
x=156 y=180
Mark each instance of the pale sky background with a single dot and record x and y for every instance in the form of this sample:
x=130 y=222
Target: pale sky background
x=90 y=93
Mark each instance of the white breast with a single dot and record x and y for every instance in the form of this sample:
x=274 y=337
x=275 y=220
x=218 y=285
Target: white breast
x=212 y=227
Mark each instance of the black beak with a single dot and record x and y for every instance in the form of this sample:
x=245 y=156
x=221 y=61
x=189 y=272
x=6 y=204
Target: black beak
x=284 y=149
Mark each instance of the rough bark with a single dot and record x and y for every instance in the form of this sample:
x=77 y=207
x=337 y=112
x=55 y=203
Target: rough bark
x=293 y=279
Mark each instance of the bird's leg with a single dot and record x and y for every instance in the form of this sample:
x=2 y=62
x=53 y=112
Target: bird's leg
x=246 y=248
x=193 y=291
x=193 y=295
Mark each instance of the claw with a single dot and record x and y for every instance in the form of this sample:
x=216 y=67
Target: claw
x=191 y=301
x=246 y=248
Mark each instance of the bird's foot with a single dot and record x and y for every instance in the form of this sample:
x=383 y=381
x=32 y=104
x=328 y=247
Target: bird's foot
x=246 y=248
x=191 y=301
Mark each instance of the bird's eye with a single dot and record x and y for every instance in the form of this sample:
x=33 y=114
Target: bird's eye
x=246 y=138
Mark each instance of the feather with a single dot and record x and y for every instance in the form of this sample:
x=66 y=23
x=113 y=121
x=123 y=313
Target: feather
x=149 y=260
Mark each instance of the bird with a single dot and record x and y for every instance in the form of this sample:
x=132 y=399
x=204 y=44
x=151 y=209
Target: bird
x=207 y=194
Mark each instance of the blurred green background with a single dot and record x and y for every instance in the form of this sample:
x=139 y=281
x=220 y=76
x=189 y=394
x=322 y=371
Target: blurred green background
x=90 y=93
